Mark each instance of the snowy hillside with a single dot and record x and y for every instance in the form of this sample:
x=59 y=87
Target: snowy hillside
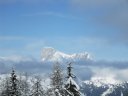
x=101 y=87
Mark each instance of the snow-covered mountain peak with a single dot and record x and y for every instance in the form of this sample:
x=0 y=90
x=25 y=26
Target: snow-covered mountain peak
x=50 y=54
x=102 y=81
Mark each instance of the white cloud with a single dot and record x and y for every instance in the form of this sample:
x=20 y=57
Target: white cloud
x=16 y=58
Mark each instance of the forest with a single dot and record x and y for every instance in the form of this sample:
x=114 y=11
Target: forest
x=21 y=85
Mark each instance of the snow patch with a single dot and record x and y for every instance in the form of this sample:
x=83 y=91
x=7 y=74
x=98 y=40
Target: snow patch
x=108 y=91
x=70 y=80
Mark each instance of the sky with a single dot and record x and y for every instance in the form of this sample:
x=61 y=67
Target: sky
x=98 y=27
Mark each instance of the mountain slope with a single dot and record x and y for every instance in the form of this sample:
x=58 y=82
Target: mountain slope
x=92 y=88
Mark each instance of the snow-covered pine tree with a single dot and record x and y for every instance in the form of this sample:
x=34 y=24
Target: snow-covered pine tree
x=37 y=89
x=57 y=80
x=14 y=85
x=71 y=88
x=24 y=85
x=5 y=87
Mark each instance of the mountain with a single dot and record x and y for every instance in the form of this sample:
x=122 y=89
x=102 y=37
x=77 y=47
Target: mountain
x=50 y=54
x=103 y=88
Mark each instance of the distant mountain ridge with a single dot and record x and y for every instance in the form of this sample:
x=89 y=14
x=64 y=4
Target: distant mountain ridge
x=92 y=88
x=50 y=54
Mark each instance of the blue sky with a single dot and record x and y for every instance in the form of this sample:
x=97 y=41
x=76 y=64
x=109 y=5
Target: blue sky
x=72 y=26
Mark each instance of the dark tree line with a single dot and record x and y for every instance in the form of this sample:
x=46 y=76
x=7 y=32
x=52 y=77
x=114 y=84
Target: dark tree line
x=18 y=85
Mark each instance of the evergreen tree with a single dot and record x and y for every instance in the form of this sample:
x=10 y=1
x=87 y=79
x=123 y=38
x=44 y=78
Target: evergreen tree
x=37 y=89
x=57 y=79
x=11 y=86
x=14 y=85
x=50 y=92
x=24 y=85
x=5 y=87
x=72 y=89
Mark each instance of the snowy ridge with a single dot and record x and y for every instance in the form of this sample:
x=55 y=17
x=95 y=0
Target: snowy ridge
x=50 y=54
x=98 y=81
x=101 y=87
